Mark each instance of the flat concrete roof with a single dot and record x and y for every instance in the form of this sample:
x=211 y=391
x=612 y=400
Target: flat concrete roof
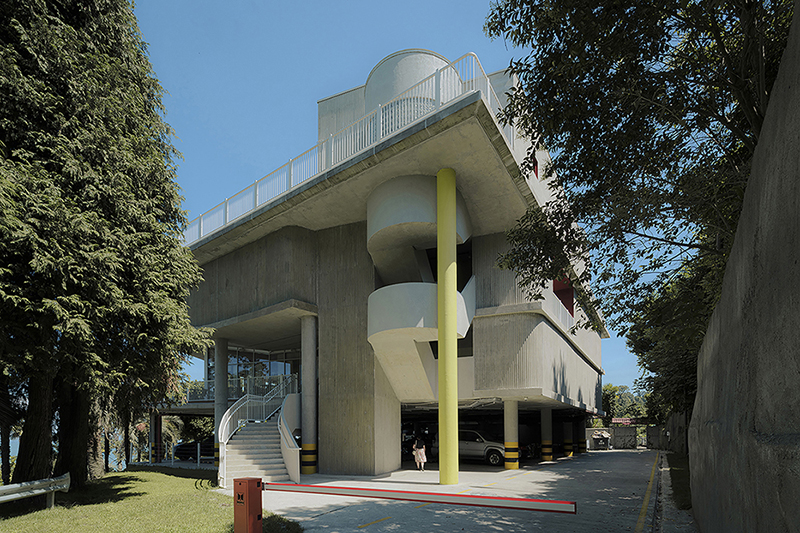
x=464 y=135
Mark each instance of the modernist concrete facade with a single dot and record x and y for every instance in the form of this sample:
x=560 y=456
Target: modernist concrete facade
x=336 y=279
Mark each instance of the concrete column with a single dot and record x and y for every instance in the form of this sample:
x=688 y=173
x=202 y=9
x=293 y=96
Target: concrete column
x=308 y=369
x=547 y=434
x=220 y=389
x=447 y=318
x=568 y=431
x=511 y=431
x=580 y=432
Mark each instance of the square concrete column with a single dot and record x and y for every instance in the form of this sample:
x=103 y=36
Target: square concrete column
x=308 y=369
x=547 y=434
x=511 y=432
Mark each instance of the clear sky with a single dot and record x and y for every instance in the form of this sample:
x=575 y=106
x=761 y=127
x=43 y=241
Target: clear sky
x=243 y=78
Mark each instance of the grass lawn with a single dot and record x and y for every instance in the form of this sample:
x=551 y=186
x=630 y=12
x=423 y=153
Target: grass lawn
x=679 y=473
x=143 y=501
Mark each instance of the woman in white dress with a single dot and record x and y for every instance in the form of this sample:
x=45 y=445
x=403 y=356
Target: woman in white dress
x=419 y=454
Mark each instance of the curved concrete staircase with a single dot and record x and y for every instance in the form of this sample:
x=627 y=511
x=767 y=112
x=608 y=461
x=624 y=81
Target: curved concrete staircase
x=255 y=451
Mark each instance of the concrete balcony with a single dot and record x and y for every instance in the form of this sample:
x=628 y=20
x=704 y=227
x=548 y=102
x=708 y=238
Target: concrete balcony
x=402 y=322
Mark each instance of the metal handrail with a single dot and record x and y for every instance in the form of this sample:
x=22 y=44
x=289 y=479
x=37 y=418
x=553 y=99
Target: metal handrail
x=250 y=407
x=459 y=77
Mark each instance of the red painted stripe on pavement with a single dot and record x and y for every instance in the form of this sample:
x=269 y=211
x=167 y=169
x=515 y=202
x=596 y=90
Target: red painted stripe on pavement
x=525 y=504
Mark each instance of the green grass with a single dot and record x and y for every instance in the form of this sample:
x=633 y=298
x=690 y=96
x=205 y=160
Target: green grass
x=167 y=500
x=679 y=473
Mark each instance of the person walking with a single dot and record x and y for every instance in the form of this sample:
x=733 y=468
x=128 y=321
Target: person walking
x=419 y=454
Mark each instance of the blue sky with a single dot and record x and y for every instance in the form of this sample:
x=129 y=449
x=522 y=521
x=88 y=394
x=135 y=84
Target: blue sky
x=243 y=78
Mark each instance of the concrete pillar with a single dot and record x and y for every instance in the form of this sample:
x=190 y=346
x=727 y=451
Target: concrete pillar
x=511 y=432
x=547 y=434
x=580 y=431
x=447 y=318
x=220 y=389
x=568 y=431
x=308 y=368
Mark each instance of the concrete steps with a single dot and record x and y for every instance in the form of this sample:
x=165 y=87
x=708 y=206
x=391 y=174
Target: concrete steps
x=255 y=451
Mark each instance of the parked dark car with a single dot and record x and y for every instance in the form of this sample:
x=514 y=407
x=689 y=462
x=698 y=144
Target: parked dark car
x=188 y=450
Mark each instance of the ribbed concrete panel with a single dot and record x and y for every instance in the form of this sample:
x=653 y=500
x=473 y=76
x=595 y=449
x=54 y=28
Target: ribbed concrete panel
x=505 y=352
x=515 y=353
x=278 y=267
x=495 y=286
x=359 y=416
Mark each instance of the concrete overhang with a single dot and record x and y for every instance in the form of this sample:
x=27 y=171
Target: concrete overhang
x=280 y=323
x=464 y=135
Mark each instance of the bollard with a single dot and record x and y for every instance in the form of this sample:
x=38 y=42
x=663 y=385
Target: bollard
x=247 y=505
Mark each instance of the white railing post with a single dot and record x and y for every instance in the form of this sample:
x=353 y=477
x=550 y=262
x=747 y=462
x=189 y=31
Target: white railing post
x=378 y=123
x=200 y=226
x=329 y=153
x=225 y=213
x=289 y=175
x=255 y=194
x=437 y=91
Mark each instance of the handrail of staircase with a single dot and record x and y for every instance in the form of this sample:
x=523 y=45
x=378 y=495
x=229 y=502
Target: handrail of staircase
x=253 y=407
x=461 y=76
x=290 y=451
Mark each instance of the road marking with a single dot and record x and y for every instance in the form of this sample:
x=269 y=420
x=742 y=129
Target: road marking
x=423 y=505
x=643 y=512
x=375 y=522
x=490 y=484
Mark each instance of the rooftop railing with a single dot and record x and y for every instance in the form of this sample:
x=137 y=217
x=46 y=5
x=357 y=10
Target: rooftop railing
x=463 y=76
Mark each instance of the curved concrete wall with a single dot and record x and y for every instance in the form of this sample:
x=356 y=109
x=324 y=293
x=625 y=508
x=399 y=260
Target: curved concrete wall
x=402 y=211
x=397 y=72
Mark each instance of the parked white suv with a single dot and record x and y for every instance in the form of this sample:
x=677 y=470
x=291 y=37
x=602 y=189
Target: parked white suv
x=474 y=445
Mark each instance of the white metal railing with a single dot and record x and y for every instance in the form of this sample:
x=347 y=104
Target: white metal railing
x=252 y=407
x=17 y=491
x=200 y=391
x=462 y=76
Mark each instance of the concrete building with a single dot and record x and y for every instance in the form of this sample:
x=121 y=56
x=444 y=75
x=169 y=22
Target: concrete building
x=326 y=269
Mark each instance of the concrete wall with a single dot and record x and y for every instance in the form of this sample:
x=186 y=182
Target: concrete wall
x=279 y=267
x=622 y=437
x=359 y=415
x=517 y=348
x=744 y=437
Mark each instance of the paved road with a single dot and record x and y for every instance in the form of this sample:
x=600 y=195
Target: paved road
x=610 y=488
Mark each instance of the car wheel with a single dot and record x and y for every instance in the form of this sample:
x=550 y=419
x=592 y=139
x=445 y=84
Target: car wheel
x=494 y=458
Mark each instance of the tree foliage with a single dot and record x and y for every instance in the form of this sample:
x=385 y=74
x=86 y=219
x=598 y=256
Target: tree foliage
x=653 y=112
x=93 y=276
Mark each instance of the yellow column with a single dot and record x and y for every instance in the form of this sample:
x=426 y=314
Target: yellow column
x=447 y=317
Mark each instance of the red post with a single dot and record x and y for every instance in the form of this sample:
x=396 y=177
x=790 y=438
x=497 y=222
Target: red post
x=247 y=505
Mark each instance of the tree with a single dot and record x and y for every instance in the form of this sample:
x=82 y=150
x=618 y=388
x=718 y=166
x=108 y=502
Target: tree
x=93 y=275
x=652 y=112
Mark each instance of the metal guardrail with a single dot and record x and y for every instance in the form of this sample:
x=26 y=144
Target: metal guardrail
x=28 y=489
x=201 y=391
x=251 y=407
x=460 y=77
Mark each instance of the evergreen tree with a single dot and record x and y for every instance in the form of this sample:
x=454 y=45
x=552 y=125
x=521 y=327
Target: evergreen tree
x=93 y=275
